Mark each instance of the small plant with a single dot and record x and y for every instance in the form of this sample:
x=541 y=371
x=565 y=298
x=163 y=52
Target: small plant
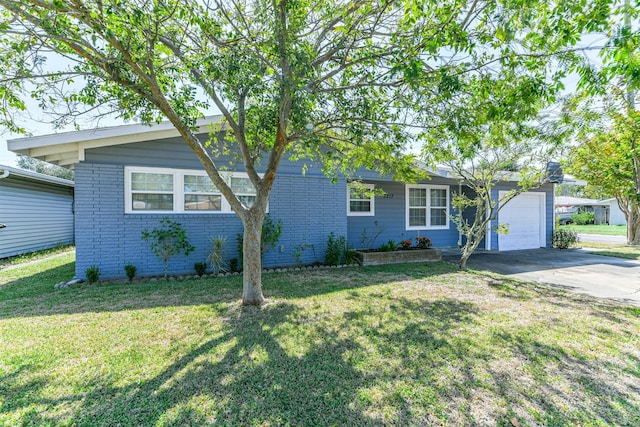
x=406 y=244
x=200 y=267
x=168 y=240
x=423 y=242
x=130 y=271
x=390 y=246
x=564 y=238
x=336 y=249
x=350 y=256
x=234 y=265
x=298 y=250
x=368 y=240
x=216 y=257
x=92 y=274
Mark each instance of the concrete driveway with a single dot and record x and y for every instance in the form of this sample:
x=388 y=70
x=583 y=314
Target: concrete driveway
x=572 y=269
x=601 y=238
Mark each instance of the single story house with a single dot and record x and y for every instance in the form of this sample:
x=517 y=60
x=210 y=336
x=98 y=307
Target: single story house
x=616 y=216
x=36 y=211
x=566 y=206
x=128 y=178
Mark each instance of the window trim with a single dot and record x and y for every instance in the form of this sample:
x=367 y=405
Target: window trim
x=372 y=201
x=178 y=191
x=427 y=187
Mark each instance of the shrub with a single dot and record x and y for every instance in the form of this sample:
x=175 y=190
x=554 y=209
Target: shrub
x=216 y=257
x=583 y=218
x=130 y=271
x=406 y=244
x=423 y=242
x=167 y=240
x=337 y=250
x=234 y=265
x=564 y=238
x=388 y=247
x=92 y=274
x=200 y=267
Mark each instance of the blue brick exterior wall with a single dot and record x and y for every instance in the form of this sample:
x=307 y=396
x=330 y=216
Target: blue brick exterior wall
x=389 y=221
x=107 y=237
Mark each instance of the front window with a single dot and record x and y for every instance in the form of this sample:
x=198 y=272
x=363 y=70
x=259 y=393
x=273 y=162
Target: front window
x=156 y=190
x=427 y=207
x=200 y=194
x=243 y=189
x=151 y=191
x=360 y=200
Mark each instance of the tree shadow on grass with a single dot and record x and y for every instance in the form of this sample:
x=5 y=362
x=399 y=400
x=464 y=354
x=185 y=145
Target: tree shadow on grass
x=35 y=295
x=255 y=372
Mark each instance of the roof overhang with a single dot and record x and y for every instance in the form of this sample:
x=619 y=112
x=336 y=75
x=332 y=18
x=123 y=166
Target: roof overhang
x=6 y=171
x=68 y=148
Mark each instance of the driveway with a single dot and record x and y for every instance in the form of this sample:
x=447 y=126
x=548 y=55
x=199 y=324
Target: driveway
x=601 y=238
x=572 y=269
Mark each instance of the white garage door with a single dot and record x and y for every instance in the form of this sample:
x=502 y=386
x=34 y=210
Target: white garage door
x=525 y=218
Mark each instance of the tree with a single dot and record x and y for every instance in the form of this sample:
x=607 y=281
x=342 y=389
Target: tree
x=323 y=80
x=31 y=164
x=503 y=152
x=607 y=158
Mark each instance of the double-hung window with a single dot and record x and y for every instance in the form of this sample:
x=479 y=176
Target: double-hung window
x=427 y=207
x=157 y=190
x=243 y=189
x=151 y=191
x=360 y=200
x=200 y=194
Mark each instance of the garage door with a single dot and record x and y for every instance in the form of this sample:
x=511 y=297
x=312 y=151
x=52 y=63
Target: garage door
x=525 y=218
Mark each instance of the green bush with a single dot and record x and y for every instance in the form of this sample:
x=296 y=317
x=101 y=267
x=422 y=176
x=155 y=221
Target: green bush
x=338 y=251
x=167 y=240
x=130 y=270
x=390 y=246
x=216 y=257
x=200 y=267
x=563 y=238
x=92 y=274
x=583 y=218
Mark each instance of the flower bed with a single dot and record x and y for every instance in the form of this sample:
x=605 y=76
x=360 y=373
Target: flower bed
x=397 y=257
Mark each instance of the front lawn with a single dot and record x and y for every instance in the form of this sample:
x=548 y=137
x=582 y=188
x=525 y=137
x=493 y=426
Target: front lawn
x=410 y=344
x=609 y=230
x=612 y=249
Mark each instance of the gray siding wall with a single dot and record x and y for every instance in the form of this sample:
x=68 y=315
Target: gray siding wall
x=309 y=208
x=37 y=216
x=389 y=221
x=549 y=209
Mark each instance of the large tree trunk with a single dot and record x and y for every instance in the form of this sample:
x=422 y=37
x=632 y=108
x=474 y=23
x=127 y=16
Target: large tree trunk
x=252 y=261
x=633 y=225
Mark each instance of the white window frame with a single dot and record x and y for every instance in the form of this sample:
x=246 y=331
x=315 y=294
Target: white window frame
x=372 y=203
x=427 y=207
x=178 y=191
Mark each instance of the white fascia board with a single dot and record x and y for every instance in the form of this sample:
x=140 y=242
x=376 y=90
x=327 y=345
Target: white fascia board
x=36 y=176
x=104 y=137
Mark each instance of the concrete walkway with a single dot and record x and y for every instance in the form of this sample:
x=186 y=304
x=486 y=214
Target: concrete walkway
x=572 y=269
x=602 y=238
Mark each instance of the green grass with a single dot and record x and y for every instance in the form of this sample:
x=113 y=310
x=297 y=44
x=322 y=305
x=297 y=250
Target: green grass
x=396 y=345
x=31 y=256
x=609 y=230
x=614 y=250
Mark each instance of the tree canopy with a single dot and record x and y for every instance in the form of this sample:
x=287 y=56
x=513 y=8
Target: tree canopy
x=332 y=80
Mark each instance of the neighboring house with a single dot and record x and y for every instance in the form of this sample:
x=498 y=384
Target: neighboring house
x=616 y=216
x=130 y=177
x=36 y=211
x=566 y=206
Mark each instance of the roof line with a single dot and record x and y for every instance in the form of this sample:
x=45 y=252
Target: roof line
x=36 y=176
